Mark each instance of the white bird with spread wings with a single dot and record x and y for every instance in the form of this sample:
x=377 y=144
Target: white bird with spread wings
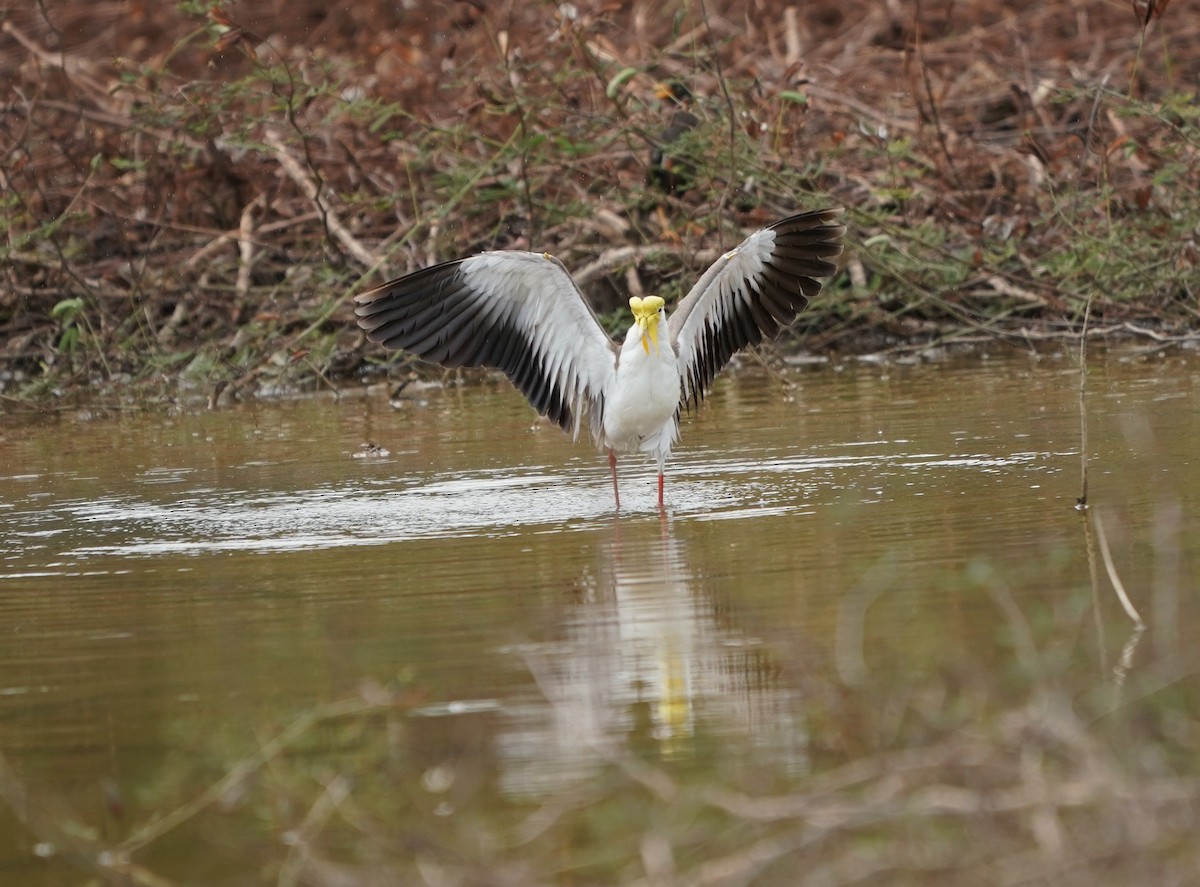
x=521 y=313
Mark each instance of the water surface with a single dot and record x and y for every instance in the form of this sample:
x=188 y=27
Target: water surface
x=855 y=561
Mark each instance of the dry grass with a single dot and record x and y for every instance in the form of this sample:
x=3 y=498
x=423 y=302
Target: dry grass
x=191 y=194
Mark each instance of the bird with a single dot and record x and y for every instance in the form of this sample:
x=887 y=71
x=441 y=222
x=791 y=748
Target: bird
x=522 y=313
x=669 y=173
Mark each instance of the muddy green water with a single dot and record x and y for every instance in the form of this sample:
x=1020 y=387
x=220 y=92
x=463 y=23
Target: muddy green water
x=846 y=552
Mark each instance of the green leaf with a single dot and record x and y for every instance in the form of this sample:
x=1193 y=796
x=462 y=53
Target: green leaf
x=67 y=309
x=622 y=77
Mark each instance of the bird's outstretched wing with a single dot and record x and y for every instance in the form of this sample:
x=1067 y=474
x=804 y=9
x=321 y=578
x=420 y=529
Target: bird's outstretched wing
x=750 y=293
x=519 y=312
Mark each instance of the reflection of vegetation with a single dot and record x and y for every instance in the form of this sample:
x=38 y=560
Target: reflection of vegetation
x=340 y=796
x=212 y=206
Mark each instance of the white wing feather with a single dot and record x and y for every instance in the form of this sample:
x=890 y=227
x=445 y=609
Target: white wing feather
x=517 y=311
x=750 y=293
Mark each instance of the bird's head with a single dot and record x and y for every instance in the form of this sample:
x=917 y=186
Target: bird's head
x=647 y=313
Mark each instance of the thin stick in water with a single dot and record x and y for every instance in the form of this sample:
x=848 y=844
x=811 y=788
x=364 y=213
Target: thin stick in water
x=1081 y=503
x=1118 y=587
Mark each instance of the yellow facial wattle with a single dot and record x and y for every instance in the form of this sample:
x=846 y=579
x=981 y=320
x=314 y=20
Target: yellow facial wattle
x=646 y=313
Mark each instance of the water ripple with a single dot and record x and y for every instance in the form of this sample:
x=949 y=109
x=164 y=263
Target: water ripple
x=702 y=485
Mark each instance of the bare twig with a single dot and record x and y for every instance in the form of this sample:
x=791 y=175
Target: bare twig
x=619 y=257
x=1089 y=542
x=237 y=774
x=522 y=133
x=1125 y=661
x=1115 y=579
x=934 y=113
x=1082 y=502
x=246 y=248
x=82 y=72
x=730 y=110
x=1091 y=127
x=336 y=791
x=297 y=174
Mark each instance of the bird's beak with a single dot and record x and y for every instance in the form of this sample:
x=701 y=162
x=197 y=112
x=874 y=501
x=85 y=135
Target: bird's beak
x=646 y=314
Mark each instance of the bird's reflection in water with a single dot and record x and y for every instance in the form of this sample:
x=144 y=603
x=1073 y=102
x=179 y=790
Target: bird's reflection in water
x=643 y=663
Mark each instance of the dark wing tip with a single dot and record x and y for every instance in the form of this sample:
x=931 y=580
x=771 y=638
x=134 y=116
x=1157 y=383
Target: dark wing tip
x=404 y=289
x=790 y=276
x=804 y=244
x=817 y=226
x=435 y=314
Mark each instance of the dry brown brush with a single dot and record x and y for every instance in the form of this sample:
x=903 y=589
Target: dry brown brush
x=191 y=191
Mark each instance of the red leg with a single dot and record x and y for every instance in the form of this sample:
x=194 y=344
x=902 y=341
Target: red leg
x=660 y=490
x=612 y=466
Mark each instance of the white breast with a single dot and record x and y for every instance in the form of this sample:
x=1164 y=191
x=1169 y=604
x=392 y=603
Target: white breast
x=640 y=408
